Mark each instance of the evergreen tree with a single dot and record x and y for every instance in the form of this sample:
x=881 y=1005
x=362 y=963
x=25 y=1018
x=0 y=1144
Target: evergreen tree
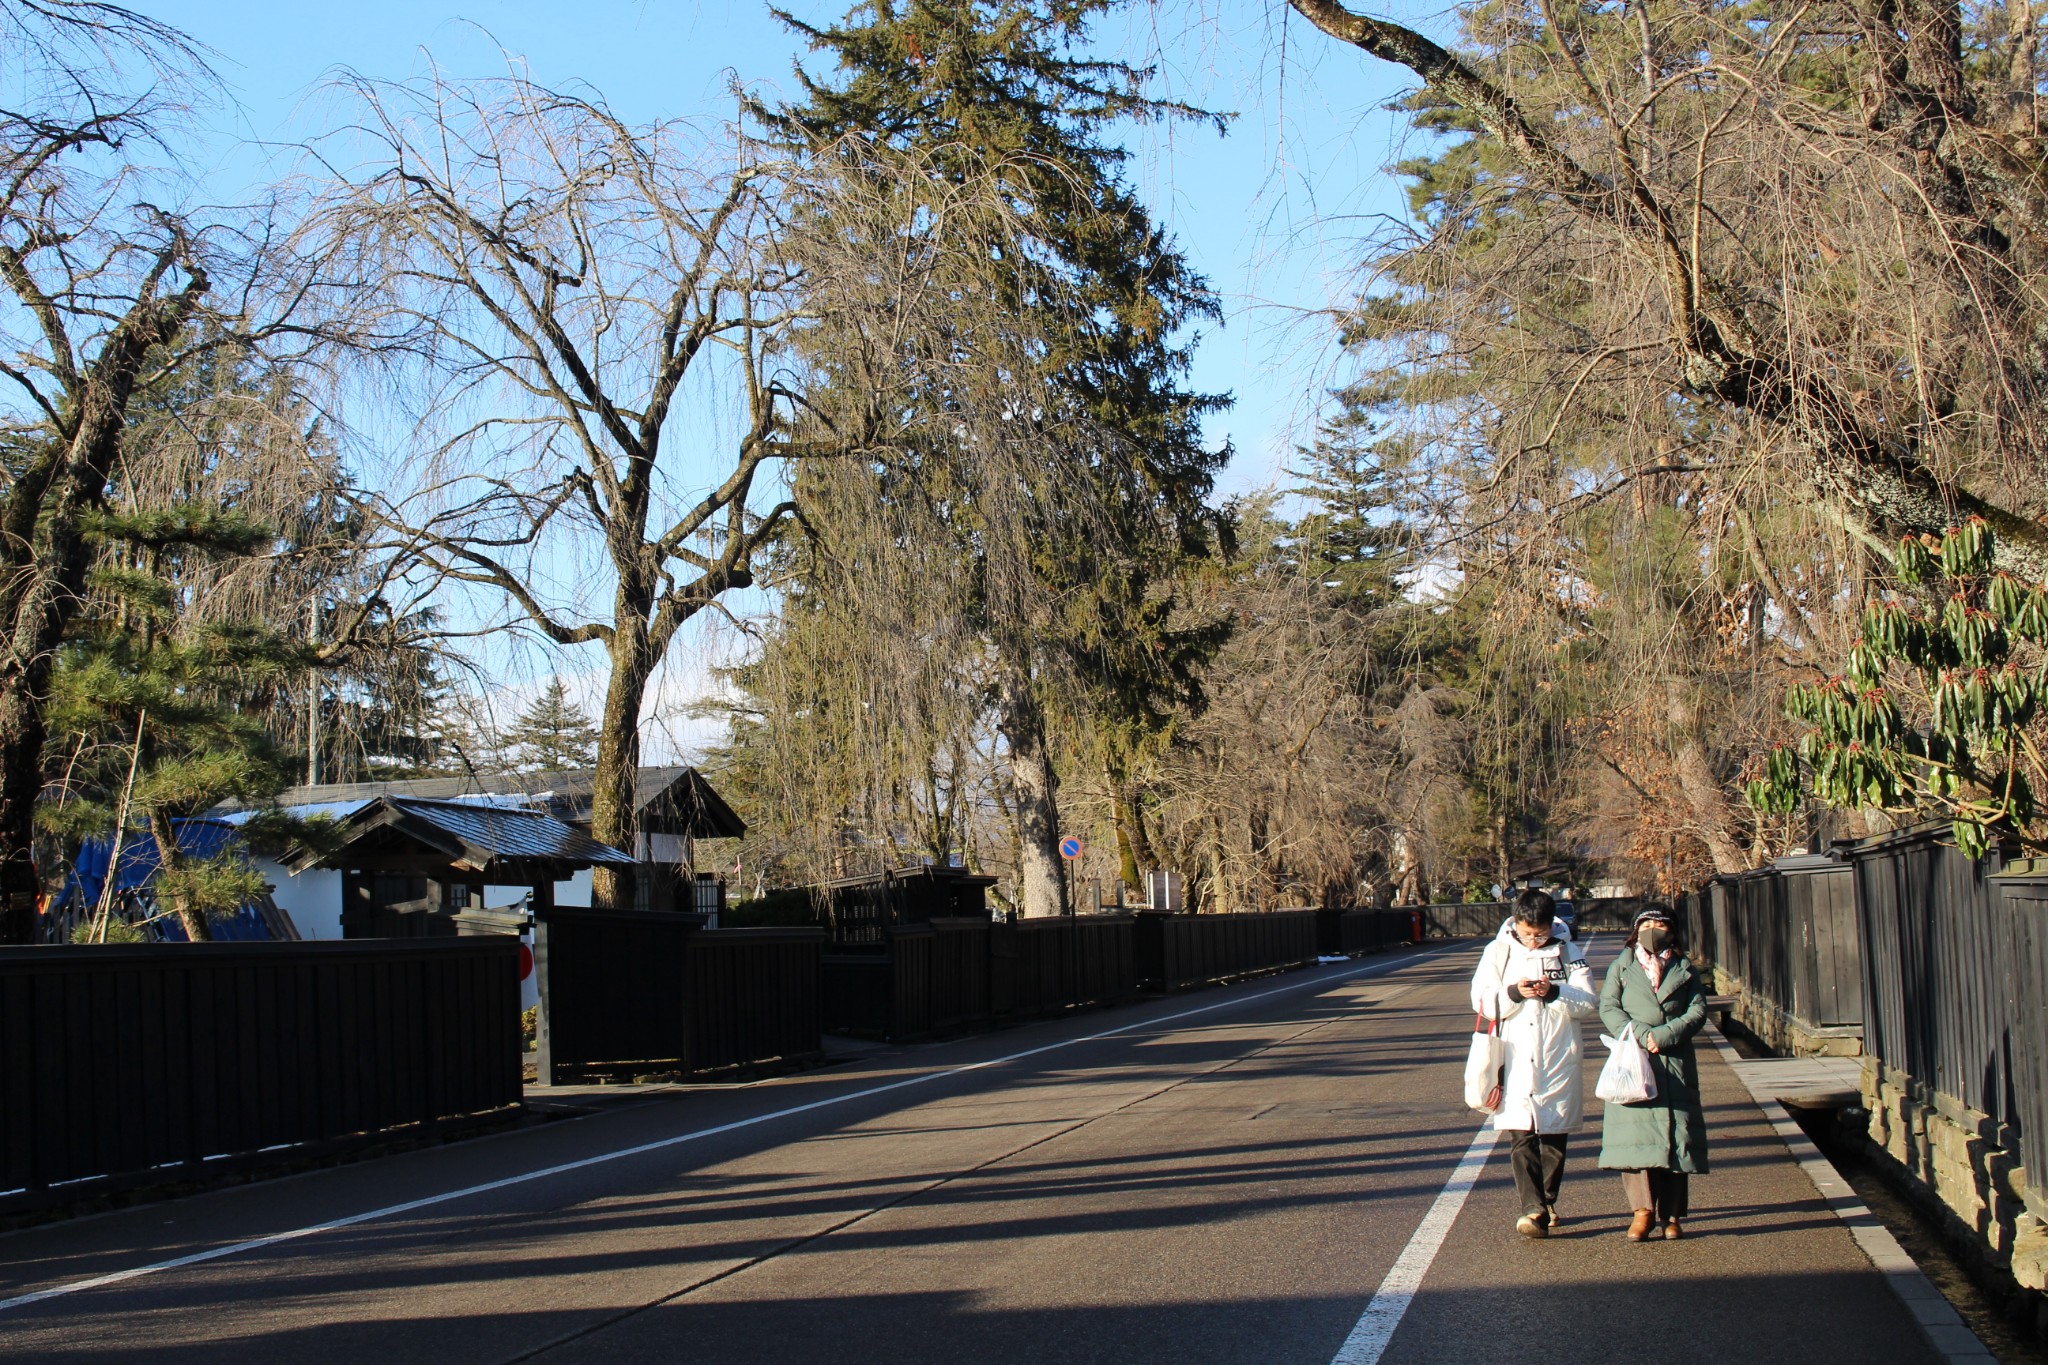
x=148 y=724
x=552 y=734
x=1355 y=540
x=1095 y=638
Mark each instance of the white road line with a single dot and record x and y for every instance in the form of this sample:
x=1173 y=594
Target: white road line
x=1368 y=1340
x=411 y=1205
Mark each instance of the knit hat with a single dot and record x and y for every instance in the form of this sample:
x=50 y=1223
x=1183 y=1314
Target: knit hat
x=1654 y=912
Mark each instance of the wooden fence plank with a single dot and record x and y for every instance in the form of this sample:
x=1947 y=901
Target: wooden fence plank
x=643 y=991
x=116 y=1060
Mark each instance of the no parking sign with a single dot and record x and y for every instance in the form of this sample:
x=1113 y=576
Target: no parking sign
x=1070 y=848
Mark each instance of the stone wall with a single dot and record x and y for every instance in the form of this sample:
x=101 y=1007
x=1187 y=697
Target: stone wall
x=1779 y=1030
x=1964 y=1168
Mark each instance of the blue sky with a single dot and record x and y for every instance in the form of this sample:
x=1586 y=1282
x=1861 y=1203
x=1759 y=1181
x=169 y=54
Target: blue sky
x=1270 y=213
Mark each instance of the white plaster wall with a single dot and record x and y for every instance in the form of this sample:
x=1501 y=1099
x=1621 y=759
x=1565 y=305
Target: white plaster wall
x=312 y=898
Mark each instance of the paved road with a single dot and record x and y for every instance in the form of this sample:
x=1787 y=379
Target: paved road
x=1227 y=1177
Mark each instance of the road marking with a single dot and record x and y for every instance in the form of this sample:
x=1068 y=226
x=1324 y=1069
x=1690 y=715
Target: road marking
x=602 y=1158
x=1368 y=1340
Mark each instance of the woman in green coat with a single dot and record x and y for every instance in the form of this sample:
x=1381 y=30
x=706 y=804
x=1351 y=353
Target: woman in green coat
x=1652 y=988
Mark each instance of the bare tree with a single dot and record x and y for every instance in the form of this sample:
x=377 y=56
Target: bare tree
x=590 y=314
x=1815 y=226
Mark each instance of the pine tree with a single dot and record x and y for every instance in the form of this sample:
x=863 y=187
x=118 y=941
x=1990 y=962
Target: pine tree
x=551 y=734
x=1355 y=539
x=1007 y=83
x=148 y=713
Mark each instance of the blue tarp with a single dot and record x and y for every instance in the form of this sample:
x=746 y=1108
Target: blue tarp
x=201 y=837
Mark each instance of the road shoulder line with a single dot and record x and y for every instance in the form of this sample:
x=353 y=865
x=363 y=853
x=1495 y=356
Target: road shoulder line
x=1376 y=1325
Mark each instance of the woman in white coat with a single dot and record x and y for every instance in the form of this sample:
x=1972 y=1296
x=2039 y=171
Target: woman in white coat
x=1537 y=985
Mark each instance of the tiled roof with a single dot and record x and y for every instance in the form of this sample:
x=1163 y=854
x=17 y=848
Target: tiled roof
x=514 y=842
x=673 y=799
x=510 y=832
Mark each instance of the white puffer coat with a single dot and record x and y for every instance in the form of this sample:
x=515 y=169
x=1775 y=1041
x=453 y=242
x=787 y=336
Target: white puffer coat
x=1544 y=1088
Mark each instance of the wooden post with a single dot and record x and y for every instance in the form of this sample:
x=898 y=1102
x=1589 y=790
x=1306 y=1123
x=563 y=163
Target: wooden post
x=544 y=1053
x=357 y=899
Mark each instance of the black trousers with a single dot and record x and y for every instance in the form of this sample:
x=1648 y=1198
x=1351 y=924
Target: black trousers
x=1538 y=1159
x=1666 y=1194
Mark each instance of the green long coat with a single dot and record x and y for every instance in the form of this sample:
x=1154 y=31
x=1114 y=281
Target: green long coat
x=1670 y=1131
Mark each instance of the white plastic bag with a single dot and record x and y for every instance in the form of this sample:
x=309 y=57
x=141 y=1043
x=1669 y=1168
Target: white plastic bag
x=1484 y=1065
x=1627 y=1078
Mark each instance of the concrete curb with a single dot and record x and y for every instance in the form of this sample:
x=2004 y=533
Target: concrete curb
x=1945 y=1330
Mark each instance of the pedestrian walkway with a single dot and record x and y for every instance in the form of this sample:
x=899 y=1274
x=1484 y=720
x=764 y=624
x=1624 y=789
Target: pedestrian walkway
x=1228 y=1176
x=1773 y=1083
x=1821 y=1082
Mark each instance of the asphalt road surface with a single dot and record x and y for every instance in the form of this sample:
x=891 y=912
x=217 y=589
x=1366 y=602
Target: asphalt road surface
x=1225 y=1176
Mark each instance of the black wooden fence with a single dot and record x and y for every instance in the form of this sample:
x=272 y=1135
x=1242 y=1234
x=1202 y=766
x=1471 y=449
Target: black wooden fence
x=1174 y=952
x=958 y=975
x=1347 y=933
x=1941 y=958
x=1477 y=920
x=1603 y=914
x=1786 y=937
x=942 y=978
x=1941 y=985
x=626 y=992
x=2023 y=952
x=161 y=1063
x=1045 y=966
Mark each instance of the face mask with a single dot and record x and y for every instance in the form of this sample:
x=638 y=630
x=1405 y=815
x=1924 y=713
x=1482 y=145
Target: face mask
x=1655 y=938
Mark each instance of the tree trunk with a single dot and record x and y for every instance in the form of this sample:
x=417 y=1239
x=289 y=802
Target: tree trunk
x=1408 y=871
x=2020 y=79
x=1267 y=873
x=1126 y=855
x=21 y=782
x=614 y=797
x=43 y=560
x=1133 y=846
x=1041 y=875
x=198 y=929
x=1500 y=852
x=1713 y=816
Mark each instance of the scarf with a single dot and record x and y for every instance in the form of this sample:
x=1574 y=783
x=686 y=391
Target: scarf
x=1654 y=965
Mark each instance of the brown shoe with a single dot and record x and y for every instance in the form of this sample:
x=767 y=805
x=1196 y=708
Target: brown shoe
x=1550 y=1215
x=1533 y=1225
x=1672 y=1232
x=1639 y=1226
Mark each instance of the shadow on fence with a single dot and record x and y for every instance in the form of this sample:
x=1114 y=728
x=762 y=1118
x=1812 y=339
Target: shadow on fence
x=1957 y=953
x=1784 y=941
x=165 y=1063
x=634 y=992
